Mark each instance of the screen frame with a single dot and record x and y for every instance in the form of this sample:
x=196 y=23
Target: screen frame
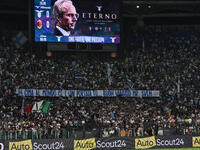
x=45 y=43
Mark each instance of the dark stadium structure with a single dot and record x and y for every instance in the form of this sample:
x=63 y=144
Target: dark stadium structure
x=143 y=93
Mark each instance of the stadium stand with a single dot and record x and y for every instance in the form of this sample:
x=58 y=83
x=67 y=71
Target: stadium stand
x=163 y=57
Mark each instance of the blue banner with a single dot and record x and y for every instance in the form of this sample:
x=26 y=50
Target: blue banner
x=87 y=93
x=79 y=39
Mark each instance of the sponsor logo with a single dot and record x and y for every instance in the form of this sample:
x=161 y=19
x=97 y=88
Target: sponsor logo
x=99 y=8
x=47 y=24
x=84 y=144
x=143 y=143
x=21 y=145
x=52 y=146
x=196 y=141
x=39 y=24
x=1 y=146
x=39 y=13
x=173 y=142
x=113 y=39
x=27 y=145
x=58 y=38
x=47 y=14
x=113 y=144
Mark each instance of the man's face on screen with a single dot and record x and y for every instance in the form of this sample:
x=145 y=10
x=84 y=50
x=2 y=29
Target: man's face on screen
x=69 y=18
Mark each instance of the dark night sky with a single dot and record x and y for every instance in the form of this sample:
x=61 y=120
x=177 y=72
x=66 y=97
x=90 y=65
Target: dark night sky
x=14 y=14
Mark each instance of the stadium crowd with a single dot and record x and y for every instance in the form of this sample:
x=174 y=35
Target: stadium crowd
x=163 y=58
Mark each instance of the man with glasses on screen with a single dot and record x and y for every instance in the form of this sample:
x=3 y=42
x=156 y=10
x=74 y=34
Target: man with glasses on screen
x=64 y=17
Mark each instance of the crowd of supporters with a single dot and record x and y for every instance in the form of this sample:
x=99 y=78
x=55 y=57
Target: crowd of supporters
x=164 y=58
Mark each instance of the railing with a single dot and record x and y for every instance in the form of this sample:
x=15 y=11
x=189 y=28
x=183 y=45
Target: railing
x=35 y=134
x=96 y=132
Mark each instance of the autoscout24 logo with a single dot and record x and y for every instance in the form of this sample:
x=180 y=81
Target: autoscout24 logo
x=21 y=145
x=196 y=141
x=27 y=145
x=143 y=143
x=84 y=144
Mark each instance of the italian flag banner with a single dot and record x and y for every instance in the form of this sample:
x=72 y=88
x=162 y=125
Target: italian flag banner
x=45 y=107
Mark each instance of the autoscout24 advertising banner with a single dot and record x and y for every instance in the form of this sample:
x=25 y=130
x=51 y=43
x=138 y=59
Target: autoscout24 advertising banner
x=103 y=143
x=163 y=142
x=144 y=143
x=173 y=141
x=48 y=144
x=196 y=141
x=106 y=143
x=2 y=145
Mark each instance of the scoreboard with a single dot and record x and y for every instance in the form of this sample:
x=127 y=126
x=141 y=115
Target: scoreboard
x=97 y=21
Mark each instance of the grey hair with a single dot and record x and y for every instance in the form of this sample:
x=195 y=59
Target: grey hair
x=58 y=10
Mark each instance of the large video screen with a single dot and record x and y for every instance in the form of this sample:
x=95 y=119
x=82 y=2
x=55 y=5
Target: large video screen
x=84 y=21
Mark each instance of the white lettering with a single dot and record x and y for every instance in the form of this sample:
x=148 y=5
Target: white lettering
x=97 y=40
x=87 y=39
x=99 y=16
x=83 y=15
x=95 y=16
x=89 y=14
x=173 y=142
x=50 y=146
x=1 y=146
x=107 y=16
x=113 y=39
x=43 y=3
x=71 y=39
x=113 y=144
